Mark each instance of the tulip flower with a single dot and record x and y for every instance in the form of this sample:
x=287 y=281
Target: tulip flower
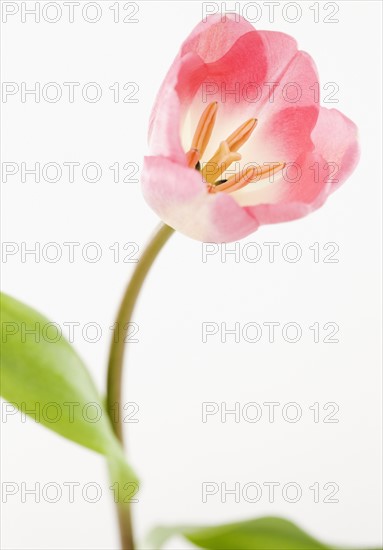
x=237 y=136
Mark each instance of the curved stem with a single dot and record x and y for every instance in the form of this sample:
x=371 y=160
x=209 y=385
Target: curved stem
x=116 y=357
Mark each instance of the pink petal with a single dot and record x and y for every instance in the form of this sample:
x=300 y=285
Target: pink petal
x=335 y=136
x=239 y=79
x=165 y=120
x=179 y=197
x=212 y=38
x=286 y=119
x=287 y=200
x=335 y=141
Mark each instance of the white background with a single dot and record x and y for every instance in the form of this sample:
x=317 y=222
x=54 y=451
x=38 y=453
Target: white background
x=170 y=371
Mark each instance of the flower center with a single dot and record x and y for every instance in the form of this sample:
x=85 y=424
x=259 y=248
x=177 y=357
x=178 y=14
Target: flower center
x=226 y=154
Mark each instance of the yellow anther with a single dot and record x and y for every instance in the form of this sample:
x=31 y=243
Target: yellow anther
x=237 y=181
x=241 y=134
x=205 y=127
x=247 y=176
x=192 y=158
x=270 y=170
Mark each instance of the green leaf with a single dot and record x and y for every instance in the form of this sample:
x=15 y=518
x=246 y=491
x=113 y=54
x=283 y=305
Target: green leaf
x=267 y=533
x=42 y=375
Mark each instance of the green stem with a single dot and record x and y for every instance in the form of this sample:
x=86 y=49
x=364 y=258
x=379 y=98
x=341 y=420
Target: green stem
x=116 y=358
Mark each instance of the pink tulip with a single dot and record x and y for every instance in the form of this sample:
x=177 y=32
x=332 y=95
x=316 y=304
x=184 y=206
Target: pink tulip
x=237 y=136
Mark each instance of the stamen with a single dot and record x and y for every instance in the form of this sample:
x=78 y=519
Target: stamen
x=205 y=128
x=225 y=155
x=270 y=170
x=219 y=162
x=247 y=176
x=192 y=158
x=237 y=181
x=242 y=134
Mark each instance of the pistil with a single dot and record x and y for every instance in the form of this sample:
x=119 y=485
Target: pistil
x=220 y=161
